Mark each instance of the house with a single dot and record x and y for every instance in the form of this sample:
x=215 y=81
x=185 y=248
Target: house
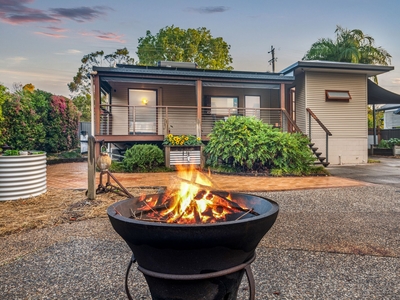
x=338 y=95
x=325 y=100
x=391 y=115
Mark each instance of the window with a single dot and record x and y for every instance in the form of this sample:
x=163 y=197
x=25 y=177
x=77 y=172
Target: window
x=252 y=104
x=337 y=96
x=224 y=105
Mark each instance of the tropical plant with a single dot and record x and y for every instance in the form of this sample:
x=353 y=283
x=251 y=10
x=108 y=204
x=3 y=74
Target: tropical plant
x=192 y=45
x=353 y=46
x=143 y=158
x=182 y=140
x=248 y=144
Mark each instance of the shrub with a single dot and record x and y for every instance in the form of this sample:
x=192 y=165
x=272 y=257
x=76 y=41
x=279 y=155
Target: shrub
x=251 y=145
x=22 y=127
x=387 y=144
x=38 y=120
x=62 y=125
x=143 y=158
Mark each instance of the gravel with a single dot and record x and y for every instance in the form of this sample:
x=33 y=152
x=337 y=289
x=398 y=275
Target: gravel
x=341 y=243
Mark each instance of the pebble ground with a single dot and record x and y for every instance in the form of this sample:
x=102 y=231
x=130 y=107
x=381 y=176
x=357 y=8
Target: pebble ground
x=330 y=243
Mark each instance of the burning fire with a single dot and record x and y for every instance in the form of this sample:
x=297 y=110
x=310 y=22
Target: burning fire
x=191 y=202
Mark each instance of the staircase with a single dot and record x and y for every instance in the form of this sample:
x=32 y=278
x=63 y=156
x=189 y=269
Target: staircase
x=294 y=128
x=320 y=159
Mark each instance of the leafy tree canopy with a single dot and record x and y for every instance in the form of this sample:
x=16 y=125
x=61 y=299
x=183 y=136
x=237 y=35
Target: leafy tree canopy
x=80 y=85
x=81 y=82
x=353 y=46
x=29 y=87
x=192 y=45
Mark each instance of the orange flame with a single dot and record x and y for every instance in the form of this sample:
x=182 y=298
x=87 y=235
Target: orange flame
x=191 y=202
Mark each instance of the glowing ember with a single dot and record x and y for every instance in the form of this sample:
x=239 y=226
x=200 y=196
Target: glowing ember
x=191 y=202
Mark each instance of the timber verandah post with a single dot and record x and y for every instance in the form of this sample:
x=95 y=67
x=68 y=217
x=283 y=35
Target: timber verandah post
x=282 y=96
x=199 y=96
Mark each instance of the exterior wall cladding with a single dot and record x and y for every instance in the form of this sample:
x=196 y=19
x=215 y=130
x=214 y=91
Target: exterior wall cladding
x=346 y=120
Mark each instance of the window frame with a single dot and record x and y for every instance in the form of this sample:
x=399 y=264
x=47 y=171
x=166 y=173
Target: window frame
x=220 y=111
x=337 y=98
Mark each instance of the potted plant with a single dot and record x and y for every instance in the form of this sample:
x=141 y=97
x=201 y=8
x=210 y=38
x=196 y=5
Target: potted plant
x=23 y=174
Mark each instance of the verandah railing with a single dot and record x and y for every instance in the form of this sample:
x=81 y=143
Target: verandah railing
x=162 y=120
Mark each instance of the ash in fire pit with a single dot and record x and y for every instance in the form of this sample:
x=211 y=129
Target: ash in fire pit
x=191 y=242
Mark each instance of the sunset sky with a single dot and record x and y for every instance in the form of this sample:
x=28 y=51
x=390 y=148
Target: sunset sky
x=43 y=41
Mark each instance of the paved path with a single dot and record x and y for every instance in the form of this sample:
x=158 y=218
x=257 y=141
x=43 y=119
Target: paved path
x=74 y=176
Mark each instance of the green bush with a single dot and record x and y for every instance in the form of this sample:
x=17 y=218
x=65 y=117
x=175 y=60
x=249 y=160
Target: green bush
x=389 y=143
x=248 y=144
x=22 y=127
x=143 y=158
x=38 y=120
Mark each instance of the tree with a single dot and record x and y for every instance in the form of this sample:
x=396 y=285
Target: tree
x=378 y=118
x=191 y=45
x=80 y=85
x=351 y=46
x=29 y=87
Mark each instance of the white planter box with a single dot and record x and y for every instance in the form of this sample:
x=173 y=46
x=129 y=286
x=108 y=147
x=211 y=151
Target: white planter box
x=183 y=155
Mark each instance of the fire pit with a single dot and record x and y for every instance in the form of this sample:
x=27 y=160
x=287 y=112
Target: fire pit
x=204 y=259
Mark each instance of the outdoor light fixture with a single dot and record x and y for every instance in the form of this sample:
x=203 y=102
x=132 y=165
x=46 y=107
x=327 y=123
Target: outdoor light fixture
x=145 y=101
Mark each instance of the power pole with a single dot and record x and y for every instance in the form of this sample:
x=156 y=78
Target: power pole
x=273 y=60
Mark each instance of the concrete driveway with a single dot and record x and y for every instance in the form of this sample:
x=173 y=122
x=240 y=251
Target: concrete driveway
x=386 y=172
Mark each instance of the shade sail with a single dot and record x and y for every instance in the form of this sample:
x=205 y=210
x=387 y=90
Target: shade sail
x=378 y=95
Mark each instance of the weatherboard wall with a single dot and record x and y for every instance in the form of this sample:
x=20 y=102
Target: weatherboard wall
x=346 y=120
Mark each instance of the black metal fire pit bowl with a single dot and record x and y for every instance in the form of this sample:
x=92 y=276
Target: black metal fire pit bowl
x=199 y=261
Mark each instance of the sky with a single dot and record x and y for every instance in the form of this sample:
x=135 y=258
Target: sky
x=43 y=41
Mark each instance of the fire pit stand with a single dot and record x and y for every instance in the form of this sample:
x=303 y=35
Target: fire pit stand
x=194 y=261
x=109 y=187
x=245 y=266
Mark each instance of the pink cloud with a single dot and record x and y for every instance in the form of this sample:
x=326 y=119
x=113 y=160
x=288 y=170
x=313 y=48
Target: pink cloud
x=53 y=35
x=108 y=36
x=56 y=29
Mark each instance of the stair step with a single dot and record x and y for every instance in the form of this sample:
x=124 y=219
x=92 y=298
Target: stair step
x=325 y=164
x=317 y=154
x=314 y=149
x=311 y=144
x=321 y=158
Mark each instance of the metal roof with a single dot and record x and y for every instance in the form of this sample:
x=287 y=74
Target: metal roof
x=333 y=66
x=193 y=73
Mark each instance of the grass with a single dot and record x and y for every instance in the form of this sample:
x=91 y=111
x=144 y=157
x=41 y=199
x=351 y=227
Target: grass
x=373 y=161
x=56 y=206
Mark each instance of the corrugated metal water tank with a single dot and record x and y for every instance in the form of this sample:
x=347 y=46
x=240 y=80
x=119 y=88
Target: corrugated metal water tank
x=22 y=176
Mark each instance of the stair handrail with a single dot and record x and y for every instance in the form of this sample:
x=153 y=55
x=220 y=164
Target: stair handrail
x=327 y=132
x=291 y=121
